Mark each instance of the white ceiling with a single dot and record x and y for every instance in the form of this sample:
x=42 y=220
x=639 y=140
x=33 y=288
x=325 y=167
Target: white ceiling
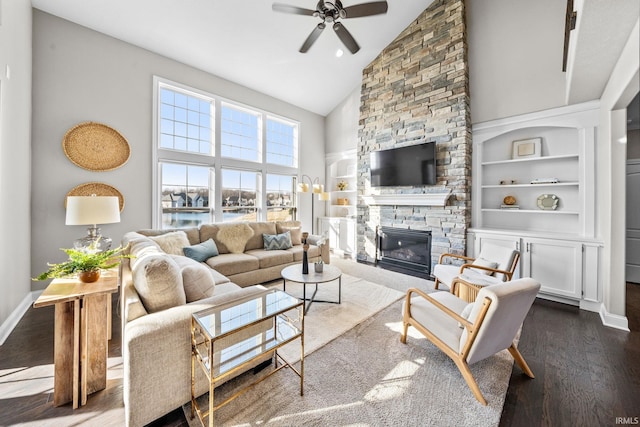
x=244 y=41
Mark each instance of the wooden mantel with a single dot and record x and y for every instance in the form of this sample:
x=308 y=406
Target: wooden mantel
x=421 y=199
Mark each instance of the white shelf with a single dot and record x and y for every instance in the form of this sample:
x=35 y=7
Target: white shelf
x=343 y=191
x=557 y=184
x=532 y=211
x=532 y=159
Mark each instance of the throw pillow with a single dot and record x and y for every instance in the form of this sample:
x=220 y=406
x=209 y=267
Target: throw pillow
x=484 y=263
x=196 y=278
x=235 y=236
x=202 y=251
x=277 y=241
x=172 y=242
x=158 y=281
x=465 y=313
x=296 y=233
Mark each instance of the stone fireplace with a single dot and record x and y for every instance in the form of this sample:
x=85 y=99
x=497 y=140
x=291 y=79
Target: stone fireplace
x=417 y=90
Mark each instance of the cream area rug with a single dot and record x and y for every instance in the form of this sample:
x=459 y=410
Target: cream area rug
x=365 y=376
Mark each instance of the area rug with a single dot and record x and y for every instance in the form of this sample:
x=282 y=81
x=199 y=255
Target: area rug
x=366 y=377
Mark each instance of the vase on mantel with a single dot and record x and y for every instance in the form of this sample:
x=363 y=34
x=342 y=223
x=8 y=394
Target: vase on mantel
x=305 y=256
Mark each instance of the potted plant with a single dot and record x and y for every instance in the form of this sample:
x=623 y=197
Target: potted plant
x=86 y=265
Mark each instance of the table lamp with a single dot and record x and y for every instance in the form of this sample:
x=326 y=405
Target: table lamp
x=92 y=210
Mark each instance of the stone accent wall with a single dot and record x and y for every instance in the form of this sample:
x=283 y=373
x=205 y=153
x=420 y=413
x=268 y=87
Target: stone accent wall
x=415 y=91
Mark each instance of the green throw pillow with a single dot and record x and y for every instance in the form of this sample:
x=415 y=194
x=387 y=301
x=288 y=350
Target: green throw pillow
x=202 y=251
x=276 y=241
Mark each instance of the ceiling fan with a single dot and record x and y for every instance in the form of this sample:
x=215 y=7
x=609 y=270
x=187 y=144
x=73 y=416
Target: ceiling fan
x=332 y=11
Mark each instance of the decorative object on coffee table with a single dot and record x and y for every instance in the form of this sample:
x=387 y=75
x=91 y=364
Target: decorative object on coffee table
x=305 y=255
x=96 y=147
x=318 y=266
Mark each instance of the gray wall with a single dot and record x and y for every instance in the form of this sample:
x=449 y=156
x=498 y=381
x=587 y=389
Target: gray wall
x=342 y=124
x=509 y=73
x=82 y=75
x=15 y=162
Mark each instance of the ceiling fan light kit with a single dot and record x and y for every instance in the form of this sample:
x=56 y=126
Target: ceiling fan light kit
x=330 y=12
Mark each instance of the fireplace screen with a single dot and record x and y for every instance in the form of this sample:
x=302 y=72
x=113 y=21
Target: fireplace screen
x=404 y=250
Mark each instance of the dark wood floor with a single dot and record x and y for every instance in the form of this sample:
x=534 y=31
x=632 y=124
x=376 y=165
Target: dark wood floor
x=586 y=374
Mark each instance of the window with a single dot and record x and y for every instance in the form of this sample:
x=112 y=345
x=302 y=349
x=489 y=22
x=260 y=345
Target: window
x=280 y=197
x=240 y=200
x=185 y=195
x=217 y=160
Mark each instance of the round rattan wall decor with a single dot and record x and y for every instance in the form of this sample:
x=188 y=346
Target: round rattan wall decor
x=97 y=188
x=96 y=147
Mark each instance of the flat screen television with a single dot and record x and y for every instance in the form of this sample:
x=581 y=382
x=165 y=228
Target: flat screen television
x=412 y=165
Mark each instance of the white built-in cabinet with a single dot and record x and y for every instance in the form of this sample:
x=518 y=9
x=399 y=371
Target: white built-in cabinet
x=558 y=246
x=340 y=223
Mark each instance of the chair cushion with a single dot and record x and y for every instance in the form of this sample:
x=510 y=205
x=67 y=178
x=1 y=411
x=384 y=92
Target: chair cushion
x=274 y=242
x=202 y=251
x=502 y=255
x=484 y=263
x=172 y=242
x=446 y=273
x=437 y=321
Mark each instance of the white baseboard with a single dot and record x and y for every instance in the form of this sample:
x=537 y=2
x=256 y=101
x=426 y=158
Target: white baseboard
x=614 y=320
x=12 y=321
x=593 y=306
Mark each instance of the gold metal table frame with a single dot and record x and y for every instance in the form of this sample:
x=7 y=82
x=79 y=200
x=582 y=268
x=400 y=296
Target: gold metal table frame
x=256 y=325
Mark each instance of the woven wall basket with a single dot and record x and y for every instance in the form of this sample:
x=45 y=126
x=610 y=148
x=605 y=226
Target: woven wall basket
x=97 y=188
x=95 y=147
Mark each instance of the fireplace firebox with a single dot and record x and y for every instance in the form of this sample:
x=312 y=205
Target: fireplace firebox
x=404 y=250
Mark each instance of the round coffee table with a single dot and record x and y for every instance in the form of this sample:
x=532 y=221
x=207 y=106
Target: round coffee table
x=329 y=273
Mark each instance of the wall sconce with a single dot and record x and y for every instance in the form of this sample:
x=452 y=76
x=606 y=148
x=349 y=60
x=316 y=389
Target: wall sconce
x=317 y=188
x=92 y=210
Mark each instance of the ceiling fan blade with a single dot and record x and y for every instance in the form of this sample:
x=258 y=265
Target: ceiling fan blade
x=346 y=37
x=312 y=37
x=366 y=9
x=280 y=7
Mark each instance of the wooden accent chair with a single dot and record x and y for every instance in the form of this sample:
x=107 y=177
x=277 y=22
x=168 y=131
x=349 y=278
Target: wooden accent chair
x=494 y=264
x=490 y=326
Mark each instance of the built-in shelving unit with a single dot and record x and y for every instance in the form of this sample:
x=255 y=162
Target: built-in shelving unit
x=558 y=246
x=340 y=223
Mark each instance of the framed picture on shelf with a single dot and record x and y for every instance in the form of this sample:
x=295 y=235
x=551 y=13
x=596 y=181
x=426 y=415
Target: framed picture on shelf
x=526 y=148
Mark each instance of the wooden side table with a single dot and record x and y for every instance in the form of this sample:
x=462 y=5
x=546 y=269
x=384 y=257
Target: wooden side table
x=82 y=326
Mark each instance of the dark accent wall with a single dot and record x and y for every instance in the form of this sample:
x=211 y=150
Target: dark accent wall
x=417 y=90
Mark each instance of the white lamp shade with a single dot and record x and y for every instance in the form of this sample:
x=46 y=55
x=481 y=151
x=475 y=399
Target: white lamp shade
x=303 y=187
x=318 y=188
x=85 y=210
x=324 y=196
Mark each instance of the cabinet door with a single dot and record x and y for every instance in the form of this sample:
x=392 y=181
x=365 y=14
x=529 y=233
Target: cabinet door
x=556 y=264
x=347 y=236
x=512 y=242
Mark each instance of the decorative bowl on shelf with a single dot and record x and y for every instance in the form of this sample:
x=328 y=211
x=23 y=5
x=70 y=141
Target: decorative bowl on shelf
x=548 y=202
x=343 y=201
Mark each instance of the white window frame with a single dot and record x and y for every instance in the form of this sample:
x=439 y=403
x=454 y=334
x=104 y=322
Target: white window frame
x=216 y=162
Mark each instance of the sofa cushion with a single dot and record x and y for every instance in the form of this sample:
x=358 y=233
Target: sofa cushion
x=271 y=258
x=193 y=233
x=274 y=242
x=158 y=281
x=196 y=278
x=259 y=228
x=201 y=251
x=172 y=242
x=314 y=251
x=294 y=227
x=229 y=264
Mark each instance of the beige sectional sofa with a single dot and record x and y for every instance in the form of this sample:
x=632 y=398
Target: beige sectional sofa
x=161 y=288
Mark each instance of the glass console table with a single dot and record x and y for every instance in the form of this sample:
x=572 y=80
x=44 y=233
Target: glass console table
x=226 y=339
